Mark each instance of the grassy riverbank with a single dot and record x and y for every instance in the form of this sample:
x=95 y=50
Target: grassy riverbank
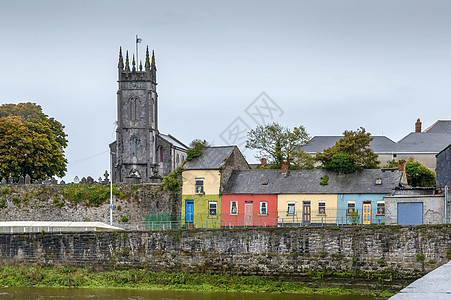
x=143 y=279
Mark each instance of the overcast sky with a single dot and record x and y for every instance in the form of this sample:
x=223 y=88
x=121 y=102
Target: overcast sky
x=328 y=65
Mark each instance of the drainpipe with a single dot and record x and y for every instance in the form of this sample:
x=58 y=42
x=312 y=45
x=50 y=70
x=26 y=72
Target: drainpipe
x=446 y=202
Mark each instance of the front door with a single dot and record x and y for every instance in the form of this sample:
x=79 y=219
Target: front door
x=189 y=211
x=248 y=213
x=366 y=212
x=306 y=212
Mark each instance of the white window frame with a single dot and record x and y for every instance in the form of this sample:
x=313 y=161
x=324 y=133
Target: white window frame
x=377 y=208
x=291 y=204
x=266 y=207
x=215 y=203
x=319 y=207
x=347 y=207
x=196 y=190
x=231 y=207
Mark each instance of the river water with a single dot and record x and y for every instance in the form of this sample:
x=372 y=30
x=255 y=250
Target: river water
x=126 y=294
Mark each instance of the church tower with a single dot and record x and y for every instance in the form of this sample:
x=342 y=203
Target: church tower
x=134 y=152
x=141 y=153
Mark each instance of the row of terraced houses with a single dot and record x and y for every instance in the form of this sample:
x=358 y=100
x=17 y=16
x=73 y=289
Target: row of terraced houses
x=220 y=190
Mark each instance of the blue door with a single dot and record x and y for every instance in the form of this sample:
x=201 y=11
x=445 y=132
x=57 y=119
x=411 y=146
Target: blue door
x=189 y=211
x=410 y=213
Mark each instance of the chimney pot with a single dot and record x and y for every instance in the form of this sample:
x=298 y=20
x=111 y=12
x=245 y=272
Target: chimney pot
x=418 y=126
x=284 y=166
x=402 y=165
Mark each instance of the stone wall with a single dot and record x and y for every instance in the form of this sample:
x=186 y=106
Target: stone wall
x=409 y=251
x=54 y=203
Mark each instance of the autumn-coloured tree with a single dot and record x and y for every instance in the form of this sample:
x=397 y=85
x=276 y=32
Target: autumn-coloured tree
x=30 y=143
x=356 y=144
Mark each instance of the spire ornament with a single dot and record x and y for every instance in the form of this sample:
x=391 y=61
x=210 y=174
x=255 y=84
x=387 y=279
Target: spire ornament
x=147 y=63
x=121 y=59
x=133 y=63
x=154 y=66
x=127 y=63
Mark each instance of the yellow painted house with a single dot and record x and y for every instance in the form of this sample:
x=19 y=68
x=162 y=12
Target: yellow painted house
x=203 y=180
x=307 y=208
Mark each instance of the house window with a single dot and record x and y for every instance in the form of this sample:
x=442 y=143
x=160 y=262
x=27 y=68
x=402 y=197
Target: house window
x=233 y=207
x=291 y=208
x=199 y=185
x=322 y=207
x=264 y=208
x=380 y=208
x=351 y=208
x=212 y=206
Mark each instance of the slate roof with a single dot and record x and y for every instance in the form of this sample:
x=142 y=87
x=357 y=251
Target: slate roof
x=173 y=141
x=307 y=182
x=441 y=126
x=379 y=144
x=212 y=158
x=423 y=142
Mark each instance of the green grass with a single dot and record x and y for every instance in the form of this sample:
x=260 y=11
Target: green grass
x=145 y=279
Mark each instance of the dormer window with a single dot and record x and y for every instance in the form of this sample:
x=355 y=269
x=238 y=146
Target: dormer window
x=379 y=181
x=199 y=186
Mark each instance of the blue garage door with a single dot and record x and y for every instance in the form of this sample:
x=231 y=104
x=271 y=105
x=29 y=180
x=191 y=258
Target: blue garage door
x=410 y=213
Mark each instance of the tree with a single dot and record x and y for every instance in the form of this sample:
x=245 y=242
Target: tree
x=357 y=145
x=341 y=163
x=278 y=143
x=419 y=175
x=30 y=143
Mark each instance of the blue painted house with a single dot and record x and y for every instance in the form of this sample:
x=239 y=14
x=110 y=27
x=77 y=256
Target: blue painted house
x=364 y=203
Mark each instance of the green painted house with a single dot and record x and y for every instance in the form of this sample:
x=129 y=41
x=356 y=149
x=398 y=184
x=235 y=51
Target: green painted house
x=204 y=178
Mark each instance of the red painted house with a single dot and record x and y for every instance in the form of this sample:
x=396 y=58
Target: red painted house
x=248 y=210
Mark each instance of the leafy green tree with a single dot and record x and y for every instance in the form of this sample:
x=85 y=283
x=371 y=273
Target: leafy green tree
x=419 y=175
x=341 y=163
x=357 y=145
x=278 y=143
x=30 y=142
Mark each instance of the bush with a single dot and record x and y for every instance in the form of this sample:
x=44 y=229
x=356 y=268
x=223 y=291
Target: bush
x=341 y=163
x=171 y=181
x=124 y=219
x=419 y=175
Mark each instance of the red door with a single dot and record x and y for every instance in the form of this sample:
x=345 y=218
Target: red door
x=248 y=214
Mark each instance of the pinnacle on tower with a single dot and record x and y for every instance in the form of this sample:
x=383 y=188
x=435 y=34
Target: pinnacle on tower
x=140 y=66
x=121 y=59
x=147 y=64
x=154 y=66
x=133 y=63
x=127 y=63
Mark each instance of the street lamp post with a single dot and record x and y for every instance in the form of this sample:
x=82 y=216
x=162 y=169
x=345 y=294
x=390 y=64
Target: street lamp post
x=111 y=188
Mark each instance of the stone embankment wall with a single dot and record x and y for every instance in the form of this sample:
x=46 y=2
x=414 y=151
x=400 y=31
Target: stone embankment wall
x=409 y=251
x=82 y=202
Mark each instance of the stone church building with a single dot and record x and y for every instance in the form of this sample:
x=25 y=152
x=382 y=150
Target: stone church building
x=141 y=153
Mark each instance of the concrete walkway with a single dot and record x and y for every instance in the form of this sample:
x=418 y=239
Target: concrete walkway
x=435 y=285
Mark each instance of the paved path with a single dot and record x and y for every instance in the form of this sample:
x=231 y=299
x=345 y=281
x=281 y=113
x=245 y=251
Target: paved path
x=435 y=285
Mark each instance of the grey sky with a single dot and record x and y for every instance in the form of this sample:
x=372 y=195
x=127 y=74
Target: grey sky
x=330 y=65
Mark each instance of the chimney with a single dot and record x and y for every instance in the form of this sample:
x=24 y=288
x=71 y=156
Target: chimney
x=402 y=165
x=263 y=162
x=285 y=166
x=418 y=126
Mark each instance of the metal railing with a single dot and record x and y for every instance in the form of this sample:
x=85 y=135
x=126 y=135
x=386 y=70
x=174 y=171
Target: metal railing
x=331 y=217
